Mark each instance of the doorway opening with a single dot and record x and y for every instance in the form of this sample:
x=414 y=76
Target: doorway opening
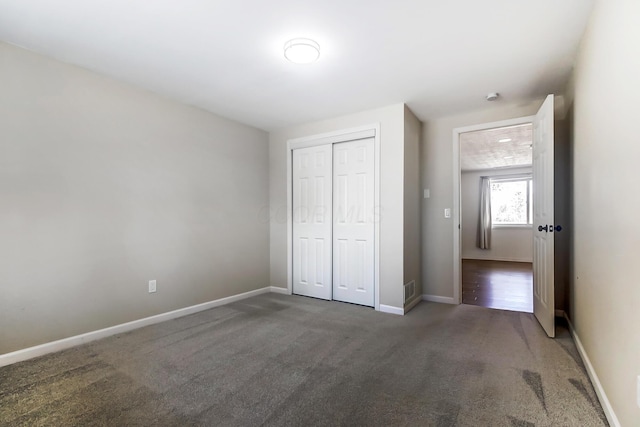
x=544 y=226
x=496 y=216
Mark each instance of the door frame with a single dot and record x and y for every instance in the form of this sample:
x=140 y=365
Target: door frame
x=335 y=137
x=456 y=213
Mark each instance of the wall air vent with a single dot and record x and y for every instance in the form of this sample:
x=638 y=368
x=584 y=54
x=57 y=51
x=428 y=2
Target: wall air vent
x=409 y=290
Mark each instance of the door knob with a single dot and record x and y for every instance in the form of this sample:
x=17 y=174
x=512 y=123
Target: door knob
x=558 y=228
x=540 y=228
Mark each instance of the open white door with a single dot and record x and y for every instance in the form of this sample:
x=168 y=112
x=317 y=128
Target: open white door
x=311 y=203
x=543 y=224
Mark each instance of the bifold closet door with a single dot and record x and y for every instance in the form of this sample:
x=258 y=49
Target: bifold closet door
x=353 y=221
x=312 y=225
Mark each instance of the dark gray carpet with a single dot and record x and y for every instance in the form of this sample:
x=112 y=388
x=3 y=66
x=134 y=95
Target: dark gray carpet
x=281 y=360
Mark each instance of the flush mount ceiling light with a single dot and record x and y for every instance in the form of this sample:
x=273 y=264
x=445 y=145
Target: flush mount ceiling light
x=302 y=51
x=492 y=96
x=505 y=140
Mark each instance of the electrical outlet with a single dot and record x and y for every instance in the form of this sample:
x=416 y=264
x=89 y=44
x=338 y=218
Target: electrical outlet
x=152 y=286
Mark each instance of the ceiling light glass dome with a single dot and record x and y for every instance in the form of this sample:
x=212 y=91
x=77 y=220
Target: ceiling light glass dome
x=302 y=51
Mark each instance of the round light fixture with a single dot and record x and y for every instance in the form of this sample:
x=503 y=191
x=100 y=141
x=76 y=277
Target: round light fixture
x=492 y=96
x=302 y=51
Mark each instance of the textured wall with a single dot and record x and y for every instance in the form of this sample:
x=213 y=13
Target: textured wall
x=437 y=175
x=605 y=294
x=412 y=201
x=104 y=187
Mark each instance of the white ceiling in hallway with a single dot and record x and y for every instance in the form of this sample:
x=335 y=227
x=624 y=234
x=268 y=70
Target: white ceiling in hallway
x=505 y=147
x=226 y=56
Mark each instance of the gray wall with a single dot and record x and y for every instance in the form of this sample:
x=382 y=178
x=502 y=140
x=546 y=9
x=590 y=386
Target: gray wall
x=391 y=120
x=104 y=187
x=412 y=196
x=437 y=175
x=605 y=293
x=507 y=243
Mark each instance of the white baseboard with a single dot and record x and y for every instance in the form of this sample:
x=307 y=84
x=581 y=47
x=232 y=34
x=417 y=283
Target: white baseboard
x=279 y=290
x=50 y=347
x=412 y=304
x=391 y=309
x=602 y=396
x=435 y=298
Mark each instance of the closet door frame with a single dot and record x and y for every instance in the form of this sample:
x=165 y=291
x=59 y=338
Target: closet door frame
x=345 y=135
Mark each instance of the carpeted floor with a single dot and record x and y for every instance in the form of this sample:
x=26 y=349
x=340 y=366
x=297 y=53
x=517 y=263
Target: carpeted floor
x=287 y=360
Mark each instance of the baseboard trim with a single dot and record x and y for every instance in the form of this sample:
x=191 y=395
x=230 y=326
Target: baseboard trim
x=412 y=304
x=391 y=309
x=279 y=290
x=436 y=298
x=63 y=344
x=602 y=396
x=501 y=259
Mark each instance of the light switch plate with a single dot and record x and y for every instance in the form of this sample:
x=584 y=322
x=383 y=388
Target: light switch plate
x=447 y=213
x=152 y=286
x=427 y=193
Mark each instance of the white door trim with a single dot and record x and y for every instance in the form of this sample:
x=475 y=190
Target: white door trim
x=345 y=135
x=456 y=214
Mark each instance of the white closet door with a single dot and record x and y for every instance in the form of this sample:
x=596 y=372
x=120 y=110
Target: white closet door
x=353 y=222
x=312 y=221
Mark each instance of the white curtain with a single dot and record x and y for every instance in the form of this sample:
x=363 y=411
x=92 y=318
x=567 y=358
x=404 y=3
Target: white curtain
x=484 y=226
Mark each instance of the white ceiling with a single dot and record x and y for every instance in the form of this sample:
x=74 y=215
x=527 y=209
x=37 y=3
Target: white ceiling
x=483 y=149
x=440 y=57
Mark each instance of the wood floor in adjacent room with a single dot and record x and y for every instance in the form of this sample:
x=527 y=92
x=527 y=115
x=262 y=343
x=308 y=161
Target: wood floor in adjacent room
x=498 y=284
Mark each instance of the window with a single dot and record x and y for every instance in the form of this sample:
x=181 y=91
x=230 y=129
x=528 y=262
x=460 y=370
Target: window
x=511 y=201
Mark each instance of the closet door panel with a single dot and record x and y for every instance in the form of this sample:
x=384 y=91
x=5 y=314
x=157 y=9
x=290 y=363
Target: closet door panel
x=312 y=224
x=353 y=222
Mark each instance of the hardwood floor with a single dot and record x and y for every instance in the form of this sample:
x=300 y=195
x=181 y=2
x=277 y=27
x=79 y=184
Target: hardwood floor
x=498 y=284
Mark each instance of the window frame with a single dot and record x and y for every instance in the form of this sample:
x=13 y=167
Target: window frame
x=528 y=177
